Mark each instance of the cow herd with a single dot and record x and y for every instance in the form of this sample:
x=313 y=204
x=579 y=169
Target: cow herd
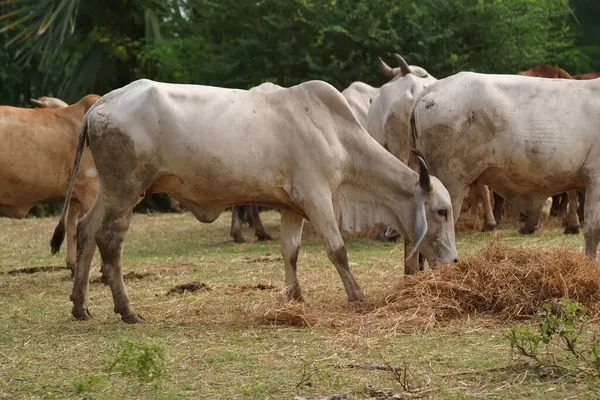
x=403 y=155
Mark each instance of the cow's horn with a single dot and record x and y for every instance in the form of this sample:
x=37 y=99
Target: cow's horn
x=37 y=103
x=386 y=69
x=424 y=177
x=404 y=68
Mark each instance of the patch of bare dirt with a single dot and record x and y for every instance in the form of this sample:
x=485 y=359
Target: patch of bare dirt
x=267 y=258
x=188 y=287
x=33 y=270
x=253 y=286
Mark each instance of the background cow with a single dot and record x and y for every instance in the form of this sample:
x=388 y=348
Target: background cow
x=512 y=132
x=36 y=159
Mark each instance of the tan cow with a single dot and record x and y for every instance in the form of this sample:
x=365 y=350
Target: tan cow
x=36 y=159
x=301 y=149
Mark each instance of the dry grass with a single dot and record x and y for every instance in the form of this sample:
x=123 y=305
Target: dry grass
x=499 y=284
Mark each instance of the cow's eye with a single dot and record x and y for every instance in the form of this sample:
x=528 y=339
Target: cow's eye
x=443 y=213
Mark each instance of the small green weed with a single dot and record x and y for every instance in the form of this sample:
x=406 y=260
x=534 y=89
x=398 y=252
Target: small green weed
x=558 y=326
x=139 y=359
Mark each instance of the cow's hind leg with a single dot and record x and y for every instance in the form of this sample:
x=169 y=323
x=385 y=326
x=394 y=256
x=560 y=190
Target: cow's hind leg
x=73 y=215
x=86 y=246
x=498 y=207
x=259 y=230
x=572 y=217
x=322 y=217
x=591 y=228
x=109 y=237
x=291 y=236
x=236 y=224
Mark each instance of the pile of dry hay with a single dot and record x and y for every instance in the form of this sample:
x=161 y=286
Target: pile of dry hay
x=500 y=283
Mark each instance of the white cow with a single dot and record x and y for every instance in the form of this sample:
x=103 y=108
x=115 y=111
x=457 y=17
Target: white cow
x=301 y=149
x=359 y=95
x=387 y=121
x=526 y=135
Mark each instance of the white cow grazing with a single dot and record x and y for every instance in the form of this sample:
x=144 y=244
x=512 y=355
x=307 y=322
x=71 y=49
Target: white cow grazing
x=301 y=149
x=359 y=95
x=532 y=136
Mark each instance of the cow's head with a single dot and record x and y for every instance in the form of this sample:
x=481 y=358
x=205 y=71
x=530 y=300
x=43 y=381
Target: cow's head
x=403 y=69
x=433 y=231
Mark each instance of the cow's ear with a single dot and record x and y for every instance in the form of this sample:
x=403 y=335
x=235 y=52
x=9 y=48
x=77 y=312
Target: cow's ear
x=420 y=228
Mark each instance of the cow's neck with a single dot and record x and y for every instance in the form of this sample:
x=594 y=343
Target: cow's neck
x=385 y=180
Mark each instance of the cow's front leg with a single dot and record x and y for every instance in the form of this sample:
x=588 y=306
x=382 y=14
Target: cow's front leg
x=322 y=217
x=291 y=236
x=572 y=217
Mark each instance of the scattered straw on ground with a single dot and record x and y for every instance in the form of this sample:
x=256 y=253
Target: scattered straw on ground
x=129 y=276
x=499 y=284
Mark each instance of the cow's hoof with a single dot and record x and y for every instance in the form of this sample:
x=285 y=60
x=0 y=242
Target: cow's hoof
x=294 y=294
x=571 y=230
x=488 y=227
x=239 y=239
x=81 y=314
x=263 y=236
x=527 y=231
x=132 y=318
x=356 y=298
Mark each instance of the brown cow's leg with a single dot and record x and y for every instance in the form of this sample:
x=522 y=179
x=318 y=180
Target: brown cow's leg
x=73 y=215
x=236 y=224
x=259 y=229
x=322 y=217
x=572 y=218
x=486 y=201
x=110 y=236
x=291 y=236
x=86 y=246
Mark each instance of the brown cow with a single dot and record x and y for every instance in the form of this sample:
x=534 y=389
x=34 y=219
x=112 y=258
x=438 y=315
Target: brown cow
x=36 y=158
x=590 y=75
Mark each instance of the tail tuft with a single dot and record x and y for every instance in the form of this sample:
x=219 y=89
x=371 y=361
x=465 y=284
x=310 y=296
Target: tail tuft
x=58 y=237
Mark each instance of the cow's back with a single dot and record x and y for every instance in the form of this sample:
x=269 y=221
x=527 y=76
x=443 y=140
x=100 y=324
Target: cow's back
x=225 y=139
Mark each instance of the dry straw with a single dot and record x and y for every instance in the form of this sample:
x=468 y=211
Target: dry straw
x=499 y=284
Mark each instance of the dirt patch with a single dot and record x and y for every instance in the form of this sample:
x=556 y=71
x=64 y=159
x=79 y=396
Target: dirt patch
x=500 y=284
x=128 y=277
x=33 y=270
x=188 y=287
x=253 y=286
x=267 y=258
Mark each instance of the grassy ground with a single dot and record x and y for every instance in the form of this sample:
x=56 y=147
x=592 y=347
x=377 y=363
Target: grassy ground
x=217 y=342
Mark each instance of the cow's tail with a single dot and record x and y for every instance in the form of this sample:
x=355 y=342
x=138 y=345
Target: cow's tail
x=59 y=231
